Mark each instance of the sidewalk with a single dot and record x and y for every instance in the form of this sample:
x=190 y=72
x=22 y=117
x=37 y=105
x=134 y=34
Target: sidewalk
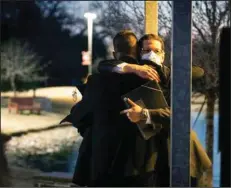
x=13 y=123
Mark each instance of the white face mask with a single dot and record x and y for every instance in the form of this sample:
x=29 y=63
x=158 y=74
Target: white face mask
x=152 y=56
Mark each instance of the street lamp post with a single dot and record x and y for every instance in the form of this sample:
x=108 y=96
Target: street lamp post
x=90 y=17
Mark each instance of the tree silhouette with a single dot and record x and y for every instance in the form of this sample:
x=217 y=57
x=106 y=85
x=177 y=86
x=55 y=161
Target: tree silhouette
x=45 y=25
x=18 y=62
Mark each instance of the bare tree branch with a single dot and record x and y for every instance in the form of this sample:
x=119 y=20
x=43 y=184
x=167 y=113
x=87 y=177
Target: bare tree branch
x=208 y=12
x=224 y=13
x=19 y=62
x=200 y=32
x=207 y=18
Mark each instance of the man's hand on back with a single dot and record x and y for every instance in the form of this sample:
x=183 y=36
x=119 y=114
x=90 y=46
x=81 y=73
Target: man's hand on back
x=143 y=71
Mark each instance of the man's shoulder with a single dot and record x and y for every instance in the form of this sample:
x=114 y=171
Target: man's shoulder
x=103 y=77
x=167 y=70
x=104 y=81
x=166 y=67
x=94 y=78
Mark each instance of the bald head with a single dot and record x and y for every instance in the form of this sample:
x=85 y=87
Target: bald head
x=125 y=43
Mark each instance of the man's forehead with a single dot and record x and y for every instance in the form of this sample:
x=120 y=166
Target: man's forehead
x=152 y=42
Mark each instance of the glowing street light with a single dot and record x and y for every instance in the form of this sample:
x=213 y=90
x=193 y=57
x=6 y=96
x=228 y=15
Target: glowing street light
x=90 y=17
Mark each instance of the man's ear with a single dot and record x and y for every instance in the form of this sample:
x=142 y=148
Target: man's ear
x=114 y=54
x=117 y=55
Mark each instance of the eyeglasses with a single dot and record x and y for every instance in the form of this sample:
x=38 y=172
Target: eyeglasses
x=157 y=51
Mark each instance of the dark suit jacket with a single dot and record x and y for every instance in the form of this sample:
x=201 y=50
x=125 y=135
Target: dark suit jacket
x=112 y=145
x=107 y=66
x=199 y=161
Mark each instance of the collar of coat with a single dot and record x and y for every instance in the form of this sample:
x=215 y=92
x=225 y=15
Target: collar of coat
x=129 y=59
